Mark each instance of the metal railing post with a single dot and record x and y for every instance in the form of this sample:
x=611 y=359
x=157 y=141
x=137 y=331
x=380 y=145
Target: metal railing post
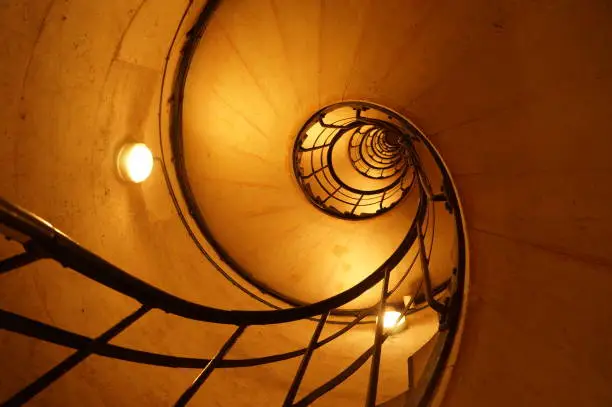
x=299 y=375
x=378 y=340
x=435 y=305
x=206 y=372
x=44 y=381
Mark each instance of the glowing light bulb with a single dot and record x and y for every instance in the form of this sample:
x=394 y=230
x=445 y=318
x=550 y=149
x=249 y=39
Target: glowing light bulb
x=135 y=162
x=390 y=320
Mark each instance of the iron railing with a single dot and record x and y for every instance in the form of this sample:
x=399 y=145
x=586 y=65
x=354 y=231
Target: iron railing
x=380 y=132
x=42 y=241
x=382 y=147
x=366 y=141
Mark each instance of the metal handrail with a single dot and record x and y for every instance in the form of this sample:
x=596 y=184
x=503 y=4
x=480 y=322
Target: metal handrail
x=41 y=240
x=39 y=330
x=44 y=241
x=61 y=248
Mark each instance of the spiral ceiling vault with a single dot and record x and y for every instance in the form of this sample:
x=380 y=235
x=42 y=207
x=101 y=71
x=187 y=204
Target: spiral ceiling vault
x=352 y=160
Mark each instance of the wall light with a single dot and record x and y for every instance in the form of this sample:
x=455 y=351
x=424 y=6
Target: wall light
x=135 y=162
x=390 y=320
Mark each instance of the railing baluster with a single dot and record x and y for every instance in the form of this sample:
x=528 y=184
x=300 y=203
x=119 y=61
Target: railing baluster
x=410 y=372
x=378 y=341
x=197 y=383
x=71 y=361
x=336 y=380
x=435 y=305
x=19 y=260
x=352 y=368
x=299 y=375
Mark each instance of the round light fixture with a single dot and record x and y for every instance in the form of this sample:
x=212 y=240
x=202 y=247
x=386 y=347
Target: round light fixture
x=391 y=320
x=135 y=162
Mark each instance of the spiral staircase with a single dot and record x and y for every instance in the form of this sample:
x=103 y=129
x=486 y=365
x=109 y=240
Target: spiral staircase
x=302 y=187
x=375 y=149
